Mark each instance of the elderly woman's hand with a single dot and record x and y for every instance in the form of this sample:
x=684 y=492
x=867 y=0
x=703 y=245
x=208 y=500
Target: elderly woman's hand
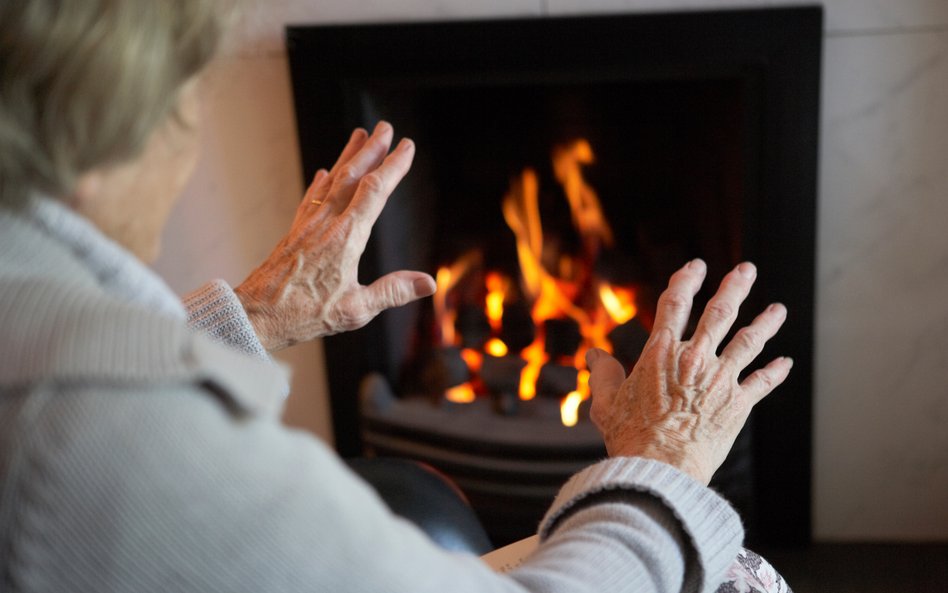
x=683 y=404
x=308 y=286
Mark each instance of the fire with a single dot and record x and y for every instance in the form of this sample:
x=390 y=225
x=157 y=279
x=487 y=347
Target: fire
x=558 y=285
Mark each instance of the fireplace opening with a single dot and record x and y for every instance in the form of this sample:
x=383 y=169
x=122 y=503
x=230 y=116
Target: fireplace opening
x=565 y=168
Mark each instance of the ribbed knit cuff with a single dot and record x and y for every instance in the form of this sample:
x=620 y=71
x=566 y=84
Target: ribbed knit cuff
x=709 y=521
x=215 y=310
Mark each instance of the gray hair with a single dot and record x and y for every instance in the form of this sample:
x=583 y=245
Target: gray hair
x=83 y=83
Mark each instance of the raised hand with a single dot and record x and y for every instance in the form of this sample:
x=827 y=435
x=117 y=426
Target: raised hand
x=683 y=403
x=308 y=286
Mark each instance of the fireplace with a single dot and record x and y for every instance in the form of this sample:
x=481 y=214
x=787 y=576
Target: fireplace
x=581 y=160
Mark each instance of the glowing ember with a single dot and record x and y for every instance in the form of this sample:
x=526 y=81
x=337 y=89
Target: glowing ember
x=496 y=347
x=473 y=359
x=462 y=394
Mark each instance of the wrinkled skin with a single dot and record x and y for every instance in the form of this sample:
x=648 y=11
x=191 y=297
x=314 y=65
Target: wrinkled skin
x=682 y=404
x=308 y=286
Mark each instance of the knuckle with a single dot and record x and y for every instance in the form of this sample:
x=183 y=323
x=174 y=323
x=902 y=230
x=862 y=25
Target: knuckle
x=674 y=300
x=373 y=182
x=691 y=361
x=393 y=295
x=766 y=381
x=349 y=174
x=749 y=339
x=355 y=317
x=719 y=309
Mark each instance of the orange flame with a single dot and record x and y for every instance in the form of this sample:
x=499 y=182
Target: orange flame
x=569 y=407
x=496 y=293
x=583 y=200
x=521 y=210
x=522 y=213
x=536 y=358
x=446 y=279
x=618 y=302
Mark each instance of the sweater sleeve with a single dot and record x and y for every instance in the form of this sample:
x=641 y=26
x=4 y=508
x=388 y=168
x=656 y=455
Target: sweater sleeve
x=695 y=520
x=176 y=493
x=215 y=310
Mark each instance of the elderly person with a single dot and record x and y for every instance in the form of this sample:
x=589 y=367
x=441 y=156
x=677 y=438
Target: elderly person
x=140 y=446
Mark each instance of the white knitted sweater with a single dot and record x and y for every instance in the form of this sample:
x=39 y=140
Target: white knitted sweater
x=138 y=455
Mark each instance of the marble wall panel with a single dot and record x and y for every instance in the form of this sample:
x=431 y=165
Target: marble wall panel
x=260 y=30
x=881 y=465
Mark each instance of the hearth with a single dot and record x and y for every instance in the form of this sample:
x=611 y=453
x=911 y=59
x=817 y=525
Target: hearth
x=565 y=168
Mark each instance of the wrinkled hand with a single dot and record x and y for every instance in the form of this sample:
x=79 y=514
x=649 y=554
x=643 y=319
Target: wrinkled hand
x=308 y=286
x=682 y=404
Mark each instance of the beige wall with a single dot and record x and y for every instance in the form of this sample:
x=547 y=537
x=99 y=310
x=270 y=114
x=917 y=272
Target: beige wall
x=881 y=434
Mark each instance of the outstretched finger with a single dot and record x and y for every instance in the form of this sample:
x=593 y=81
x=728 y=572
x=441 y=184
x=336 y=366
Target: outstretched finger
x=392 y=290
x=761 y=382
x=721 y=312
x=356 y=142
x=350 y=174
x=316 y=186
x=312 y=198
x=749 y=341
x=674 y=304
x=377 y=186
x=606 y=374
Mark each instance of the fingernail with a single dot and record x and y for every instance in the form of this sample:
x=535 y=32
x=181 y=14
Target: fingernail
x=381 y=127
x=747 y=270
x=405 y=144
x=696 y=264
x=777 y=307
x=356 y=133
x=424 y=287
x=592 y=355
x=789 y=360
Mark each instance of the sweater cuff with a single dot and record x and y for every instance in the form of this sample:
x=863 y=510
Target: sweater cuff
x=215 y=310
x=713 y=527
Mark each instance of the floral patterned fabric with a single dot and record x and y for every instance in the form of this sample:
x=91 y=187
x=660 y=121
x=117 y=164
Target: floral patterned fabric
x=749 y=573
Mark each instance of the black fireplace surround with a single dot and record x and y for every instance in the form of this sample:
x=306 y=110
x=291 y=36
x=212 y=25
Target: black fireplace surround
x=705 y=128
